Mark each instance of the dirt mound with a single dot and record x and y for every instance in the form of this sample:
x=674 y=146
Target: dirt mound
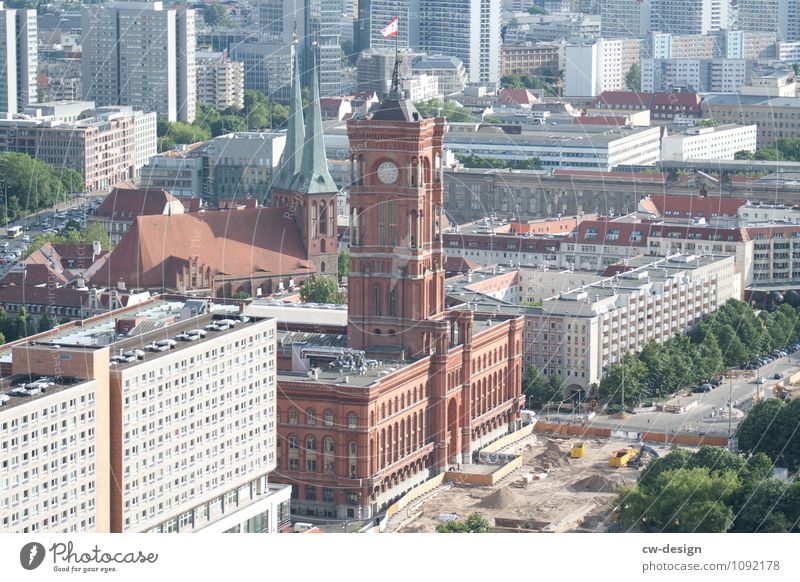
x=552 y=456
x=501 y=499
x=599 y=483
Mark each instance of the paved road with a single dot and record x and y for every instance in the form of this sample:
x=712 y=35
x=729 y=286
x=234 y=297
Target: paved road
x=45 y=218
x=699 y=420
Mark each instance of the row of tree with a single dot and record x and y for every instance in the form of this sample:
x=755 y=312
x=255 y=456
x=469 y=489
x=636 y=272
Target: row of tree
x=258 y=114
x=526 y=81
x=710 y=491
x=438 y=108
x=14 y=328
x=73 y=234
x=773 y=428
x=786 y=149
x=30 y=185
x=728 y=337
x=482 y=162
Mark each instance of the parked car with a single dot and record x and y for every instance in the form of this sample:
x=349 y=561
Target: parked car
x=777 y=376
x=761 y=380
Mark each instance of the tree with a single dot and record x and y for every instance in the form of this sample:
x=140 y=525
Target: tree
x=31 y=185
x=678 y=459
x=241 y=294
x=448 y=109
x=680 y=500
x=758 y=432
x=321 y=290
x=539 y=388
x=46 y=323
x=215 y=14
x=475 y=523
x=627 y=377
x=760 y=511
x=633 y=78
x=344 y=264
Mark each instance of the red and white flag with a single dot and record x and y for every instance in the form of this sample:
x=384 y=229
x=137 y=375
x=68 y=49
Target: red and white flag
x=390 y=29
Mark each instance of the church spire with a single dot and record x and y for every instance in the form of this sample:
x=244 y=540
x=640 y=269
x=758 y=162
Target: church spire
x=314 y=177
x=292 y=157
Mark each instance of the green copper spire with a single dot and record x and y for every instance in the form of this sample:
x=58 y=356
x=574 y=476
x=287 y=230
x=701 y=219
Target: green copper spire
x=292 y=157
x=314 y=177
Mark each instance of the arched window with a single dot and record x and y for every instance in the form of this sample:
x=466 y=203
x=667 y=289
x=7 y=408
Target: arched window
x=292 y=441
x=323 y=218
x=311 y=416
x=311 y=443
x=329 y=417
x=352 y=421
x=313 y=220
x=292 y=416
x=377 y=296
x=328 y=448
x=322 y=245
x=322 y=265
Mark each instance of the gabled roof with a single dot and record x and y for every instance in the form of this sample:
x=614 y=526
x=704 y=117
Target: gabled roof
x=677 y=206
x=612 y=232
x=34 y=274
x=682 y=99
x=237 y=243
x=58 y=297
x=622 y=98
x=127 y=203
x=518 y=97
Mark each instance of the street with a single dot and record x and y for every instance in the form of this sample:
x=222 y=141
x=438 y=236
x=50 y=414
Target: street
x=699 y=420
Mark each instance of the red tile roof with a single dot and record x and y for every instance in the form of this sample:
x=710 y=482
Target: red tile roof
x=620 y=98
x=58 y=297
x=33 y=275
x=680 y=99
x=772 y=230
x=126 y=203
x=599 y=120
x=459 y=265
x=518 y=97
x=699 y=232
x=610 y=232
x=677 y=206
x=261 y=242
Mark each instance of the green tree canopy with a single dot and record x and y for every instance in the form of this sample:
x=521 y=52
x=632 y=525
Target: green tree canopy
x=31 y=185
x=539 y=388
x=321 y=290
x=633 y=78
x=344 y=263
x=448 y=109
x=474 y=523
x=215 y=14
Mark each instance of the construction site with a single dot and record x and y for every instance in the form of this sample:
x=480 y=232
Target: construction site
x=563 y=485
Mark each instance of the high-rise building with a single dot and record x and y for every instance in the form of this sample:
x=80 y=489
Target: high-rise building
x=158 y=418
x=779 y=16
x=374 y=15
x=466 y=29
x=689 y=16
x=18 y=59
x=625 y=18
x=220 y=81
x=592 y=67
x=140 y=54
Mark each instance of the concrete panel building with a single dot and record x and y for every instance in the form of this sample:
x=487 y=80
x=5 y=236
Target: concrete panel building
x=142 y=55
x=18 y=59
x=720 y=142
x=220 y=81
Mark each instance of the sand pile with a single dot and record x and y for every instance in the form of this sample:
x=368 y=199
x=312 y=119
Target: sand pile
x=501 y=499
x=600 y=483
x=552 y=456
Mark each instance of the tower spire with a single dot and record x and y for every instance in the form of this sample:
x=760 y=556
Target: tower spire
x=314 y=176
x=292 y=157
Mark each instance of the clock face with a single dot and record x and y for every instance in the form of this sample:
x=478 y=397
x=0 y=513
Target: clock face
x=387 y=173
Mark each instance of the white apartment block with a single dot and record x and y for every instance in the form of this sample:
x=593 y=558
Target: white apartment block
x=140 y=54
x=689 y=16
x=420 y=87
x=596 y=66
x=171 y=427
x=466 y=29
x=49 y=473
x=704 y=75
x=577 y=335
x=220 y=82
x=18 y=59
x=625 y=18
x=107 y=146
x=789 y=52
x=709 y=143
x=779 y=16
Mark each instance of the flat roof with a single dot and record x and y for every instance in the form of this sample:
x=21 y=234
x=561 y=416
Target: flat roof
x=299 y=313
x=57 y=385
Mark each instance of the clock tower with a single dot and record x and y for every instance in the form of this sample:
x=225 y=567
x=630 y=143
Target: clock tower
x=396 y=281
